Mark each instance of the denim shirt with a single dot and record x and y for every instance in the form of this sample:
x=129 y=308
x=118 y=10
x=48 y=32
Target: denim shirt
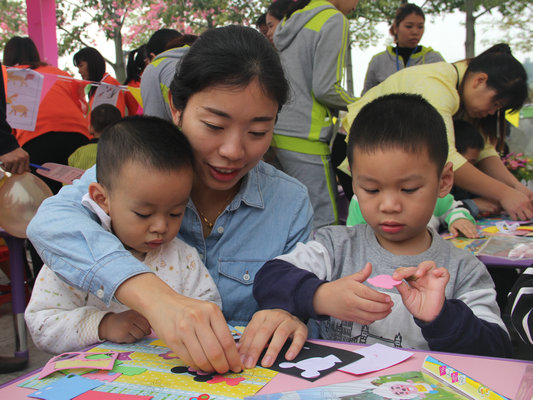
x=268 y=216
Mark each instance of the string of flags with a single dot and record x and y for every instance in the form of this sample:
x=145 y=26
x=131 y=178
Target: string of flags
x=26 y=89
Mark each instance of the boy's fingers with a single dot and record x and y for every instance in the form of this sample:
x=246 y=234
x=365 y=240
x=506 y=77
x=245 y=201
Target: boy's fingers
x=363 y=275
x=371 y=296
x=403 y=273
x=424 y=267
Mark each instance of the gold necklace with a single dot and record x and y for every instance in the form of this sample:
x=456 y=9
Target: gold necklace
x=206 y=220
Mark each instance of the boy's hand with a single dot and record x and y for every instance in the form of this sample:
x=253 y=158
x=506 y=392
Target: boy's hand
x=464 y=226
x=423 y=293
x=125 y=327
x=487 y=206
x=349 y=300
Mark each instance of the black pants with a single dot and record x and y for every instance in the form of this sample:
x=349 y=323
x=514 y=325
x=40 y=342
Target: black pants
x=54 y=147
x=338 y=153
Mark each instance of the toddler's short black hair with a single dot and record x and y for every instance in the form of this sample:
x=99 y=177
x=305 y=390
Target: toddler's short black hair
x=467 y=136
x=155 y=143
x=104 y=115
x=405 y=121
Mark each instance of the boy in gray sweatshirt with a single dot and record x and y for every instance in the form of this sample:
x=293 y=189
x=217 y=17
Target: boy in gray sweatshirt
x=436 y=297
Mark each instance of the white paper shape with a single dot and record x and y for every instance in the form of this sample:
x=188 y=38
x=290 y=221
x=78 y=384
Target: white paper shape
x=311 y=367
x=23 y=97
x=106 y=94
x=376 y=357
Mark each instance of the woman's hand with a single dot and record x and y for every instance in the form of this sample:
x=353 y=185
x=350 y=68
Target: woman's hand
x=275 y=326
x=193 y=329
x=16 y=161
x=517 y=204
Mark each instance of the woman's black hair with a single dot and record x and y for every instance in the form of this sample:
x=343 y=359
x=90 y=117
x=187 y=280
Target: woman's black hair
x=136 y=64
x=296 y=5
x=231 y=56
x=505 y=75
x=159 y=40
x=403 y=12
x=508 y=78
x=280 y=8
x=95 y=62
x=22 y=51
x=184 y=40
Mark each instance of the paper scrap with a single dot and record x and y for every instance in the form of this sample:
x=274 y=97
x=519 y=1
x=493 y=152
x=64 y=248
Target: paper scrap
x=383 y=281
x=376 y=357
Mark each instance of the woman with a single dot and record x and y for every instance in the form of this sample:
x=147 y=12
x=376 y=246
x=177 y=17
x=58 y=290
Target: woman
x=407 y=29
x=138 y=59
x=478 y=90
x=276 y=11
x=61 y=126
x=91 y=67
x=225 y=98
x=312 y=43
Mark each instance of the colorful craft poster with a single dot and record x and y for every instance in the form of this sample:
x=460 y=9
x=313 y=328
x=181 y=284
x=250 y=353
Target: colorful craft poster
x=145 y=369
x=412 y=385
x=460 y=381
x=24 y=88
x=106 y=94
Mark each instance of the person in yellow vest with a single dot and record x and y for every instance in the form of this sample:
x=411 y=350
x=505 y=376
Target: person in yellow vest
x=312 y=42
x=478 y=90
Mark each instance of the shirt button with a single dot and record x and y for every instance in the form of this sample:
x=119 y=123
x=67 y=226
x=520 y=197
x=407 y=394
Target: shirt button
x=100 y=293
x=246 y=276
x=220 y=229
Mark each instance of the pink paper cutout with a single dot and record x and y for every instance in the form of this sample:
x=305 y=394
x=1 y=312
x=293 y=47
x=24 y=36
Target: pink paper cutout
x=48 y=82
x=383 y=281
x=75 y=358
x=95 y=395
x=60 y=173
x=169 y=355
x=229 y=381
x=105 y=376
x=125 y=356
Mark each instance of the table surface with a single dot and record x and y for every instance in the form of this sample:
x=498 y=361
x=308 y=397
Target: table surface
x=474 y=245
x=510 y=378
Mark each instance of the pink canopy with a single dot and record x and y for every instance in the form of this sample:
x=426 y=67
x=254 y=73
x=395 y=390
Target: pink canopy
x=42 y=28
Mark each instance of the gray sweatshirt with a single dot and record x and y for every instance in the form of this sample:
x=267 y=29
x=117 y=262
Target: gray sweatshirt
x=386 y=63
x=156 y=80
x=312 y=45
